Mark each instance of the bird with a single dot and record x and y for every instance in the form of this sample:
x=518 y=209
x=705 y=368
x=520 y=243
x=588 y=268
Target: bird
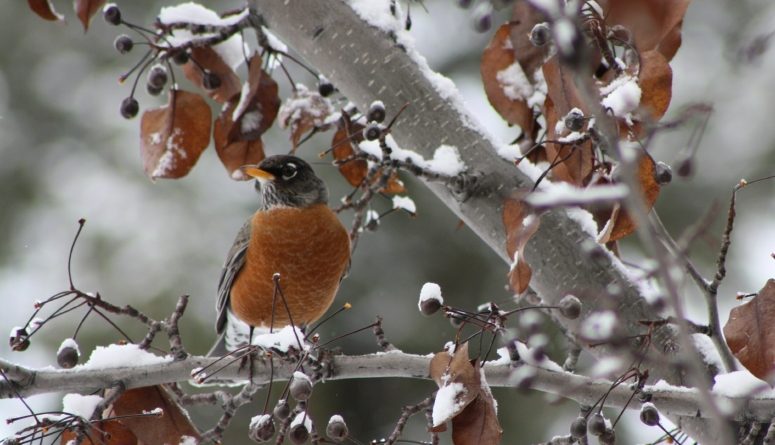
x=294 y=234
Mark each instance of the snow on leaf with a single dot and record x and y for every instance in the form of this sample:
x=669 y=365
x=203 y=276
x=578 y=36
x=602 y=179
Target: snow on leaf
x=520 y=225
x=45 y=10
x=303 y=111
x=505 y=82
x=749 y=333
x=172 y=137
x=243 y=120
x=458 y=381
x=624 y=98
x=85 y=10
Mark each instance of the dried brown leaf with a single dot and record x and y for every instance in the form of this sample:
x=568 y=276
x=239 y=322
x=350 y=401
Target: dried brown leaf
x=749 y=333
x=655 y=79
x=85 y=10
x=303 y=111
x=575 y=161
x=172 y=137
x=234 y=153
x=624 y=224
x=170 y=428
x=478 y=423
x=45 y=10
x=259 y=106
x=206 y=58
x=446 y=370
x=498 y=56
x=650 y=21
x=353 y=170
x=520 y=225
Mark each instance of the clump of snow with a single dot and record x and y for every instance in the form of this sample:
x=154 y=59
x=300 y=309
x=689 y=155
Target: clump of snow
x=622 y=96
x=300 y=418
x=282 y=340
x=564 y=34
x=69 y=343
x=738 y=384
x=80 y=405
x=405 y=203
x=526 y=355
x=430 y=291
x=449 y=400
x=35 y=323
x=446 y=161
x=563 y=194
x=514 y=83
x=336 y=418
x=188 y=440
x=257 y=421
x=304 y=104
x=599 y=326
x=708 y=351
x=230 y=50
x=113 y=356
x=608 y=367
x=504 y=358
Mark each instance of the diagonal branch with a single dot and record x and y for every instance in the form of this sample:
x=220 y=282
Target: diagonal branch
x=367 y=64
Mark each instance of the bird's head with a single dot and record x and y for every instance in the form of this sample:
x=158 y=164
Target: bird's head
x=287 y=181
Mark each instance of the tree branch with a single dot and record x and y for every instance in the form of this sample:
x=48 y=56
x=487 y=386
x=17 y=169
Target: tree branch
x=368 y=64
x=672 y=401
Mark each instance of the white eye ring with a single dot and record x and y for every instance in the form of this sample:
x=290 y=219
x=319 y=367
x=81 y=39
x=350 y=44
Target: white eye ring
x=289 y=171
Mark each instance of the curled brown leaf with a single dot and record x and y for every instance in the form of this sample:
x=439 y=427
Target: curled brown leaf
x=749 y=333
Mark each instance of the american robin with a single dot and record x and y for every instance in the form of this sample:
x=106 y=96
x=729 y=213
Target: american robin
x=294 y=234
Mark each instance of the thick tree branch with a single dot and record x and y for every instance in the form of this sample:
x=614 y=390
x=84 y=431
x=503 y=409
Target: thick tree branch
x=672 y=401
x=368 y=64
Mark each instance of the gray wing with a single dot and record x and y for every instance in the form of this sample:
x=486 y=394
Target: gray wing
x=234 y=262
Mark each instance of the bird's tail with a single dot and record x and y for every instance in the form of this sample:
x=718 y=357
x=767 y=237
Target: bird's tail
x=219 y=348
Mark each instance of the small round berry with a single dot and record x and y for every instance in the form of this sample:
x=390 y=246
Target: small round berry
x=298 y=434
x=685 y=167
x=261 y=428
x=430 y=306
x=570 y=307
x=337 y=430
x=578 y=428
x=596 y=425
x=376 y=112
x=574 y=120
x=129 y=107
x=540 y=34
x=649 y=415
x=664 y=173
x=67 y=357
x=301 y=386
x=326 y=88
x=20 y=340
x=482 y=17
x=180 y=57
x=282 y=410
x=153 y=90
x=608 y=437
x=123 y=44
x=112 y=15
x=157 y=76
x=210 y=80
x=372 y=131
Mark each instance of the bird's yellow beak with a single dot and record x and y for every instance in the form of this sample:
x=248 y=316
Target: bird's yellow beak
x=255 y=172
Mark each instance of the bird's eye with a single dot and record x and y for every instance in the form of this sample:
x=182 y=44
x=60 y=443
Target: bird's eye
x=289 y=171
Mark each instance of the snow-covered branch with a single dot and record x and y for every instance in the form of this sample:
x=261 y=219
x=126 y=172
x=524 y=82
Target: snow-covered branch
x=671 y=400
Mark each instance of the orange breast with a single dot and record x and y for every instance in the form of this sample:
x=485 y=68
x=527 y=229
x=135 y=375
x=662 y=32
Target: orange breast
x=309 y=248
